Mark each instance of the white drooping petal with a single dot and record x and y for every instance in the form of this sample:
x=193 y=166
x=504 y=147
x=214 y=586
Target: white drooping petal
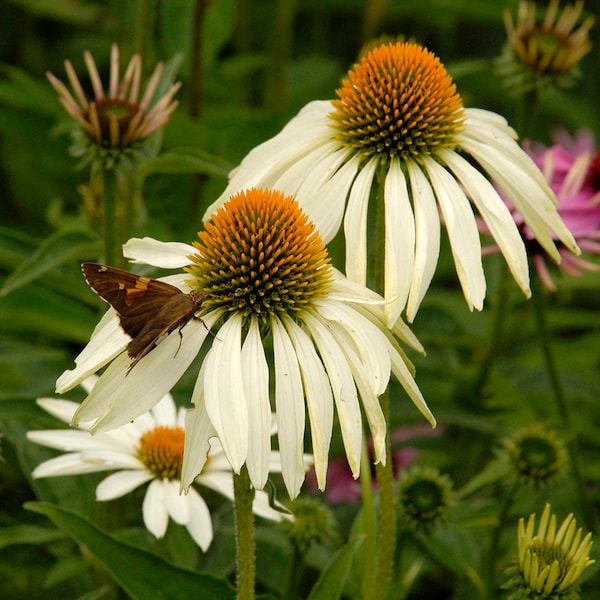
x=166 y=255
x=343 y=387
x=224 y=396
x=289 y=405
x=495 y=213
x=327 y=202
x=427 y=237
x=462 y=232
x=122 y=394
x=255 y=375
x=399 y=242
x=198 y=431
x=263 y=165
x=319 y=398
x=154 y=509
x=120 y=483
x=108 y=341
x=355 y=223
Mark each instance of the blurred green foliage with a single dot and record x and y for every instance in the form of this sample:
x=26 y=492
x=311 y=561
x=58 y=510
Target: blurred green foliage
x=250 y=66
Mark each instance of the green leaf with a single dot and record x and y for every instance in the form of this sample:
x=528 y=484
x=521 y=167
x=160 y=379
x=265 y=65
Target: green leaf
x=63 y=246
x=141 y=574
x=28 y=534
x=331 y=582
x=187 y=160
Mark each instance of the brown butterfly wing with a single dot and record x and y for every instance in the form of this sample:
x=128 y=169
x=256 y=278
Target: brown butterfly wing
x=136 y=299
x=176 y=312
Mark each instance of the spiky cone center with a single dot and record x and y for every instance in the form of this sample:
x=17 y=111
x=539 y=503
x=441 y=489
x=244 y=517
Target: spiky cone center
x=260 y=255
x=161 y=451
x=399 y=101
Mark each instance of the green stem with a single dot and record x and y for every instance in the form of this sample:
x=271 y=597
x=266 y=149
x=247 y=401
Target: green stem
x=144 y=33
x=387 y=513
x=386 y=546
x=562 y=404
x=369 y=521
x=499 y=312
x=490 y=560
x=244 y=529
x=281 y=36
x=113 y=254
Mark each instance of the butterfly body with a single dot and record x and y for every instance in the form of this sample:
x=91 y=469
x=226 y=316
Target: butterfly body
x=148 y=309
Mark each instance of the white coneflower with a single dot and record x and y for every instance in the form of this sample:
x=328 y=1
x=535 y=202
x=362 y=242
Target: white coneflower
x=150 y=449
x=281 y=316
x=399 y=126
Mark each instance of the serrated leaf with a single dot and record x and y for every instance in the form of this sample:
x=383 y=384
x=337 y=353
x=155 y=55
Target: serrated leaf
x=141 y=574
x=330 y=584
x=61 y=247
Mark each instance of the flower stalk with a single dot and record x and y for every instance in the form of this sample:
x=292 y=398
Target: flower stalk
x=244 y=534
x=562 y=403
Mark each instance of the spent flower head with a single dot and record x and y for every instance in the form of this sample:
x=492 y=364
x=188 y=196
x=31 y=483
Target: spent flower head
x=149 y=449
x=283 y=319
x=551 y=560
x=424 y=497
x=547 y=51
x=116 y=119
x=399 y=130
x=537 y=456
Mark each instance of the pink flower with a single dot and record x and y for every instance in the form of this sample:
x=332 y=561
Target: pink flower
x=572 y=168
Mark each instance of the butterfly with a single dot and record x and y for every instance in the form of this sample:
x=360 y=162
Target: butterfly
x=148 y=309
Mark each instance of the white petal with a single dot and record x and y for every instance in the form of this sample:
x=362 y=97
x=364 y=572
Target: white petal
x=200 y=524
x=108 y=340
x=462 y=232
x=177 y=504
x=66 y=464
x=221 y=482
x=366 y=339
x=343 y=387
x=166 y=255
x=121 y=395
x=165 y=412
x=263 y=509
x=427 y=238
x=406 y=380
x=261 y=167
x=255 y=374
x=198 y=430
x=495 y=213
x=88 y=383
x=112 y=458
x=399 y=241
x=534 y=201
x=325 y=205
x=289 y=403
x=61 y=409
x=355 y=223
x=156 y=517
x=224 y=392
x=319 y=397
x=68 y=440
x=121 y=483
